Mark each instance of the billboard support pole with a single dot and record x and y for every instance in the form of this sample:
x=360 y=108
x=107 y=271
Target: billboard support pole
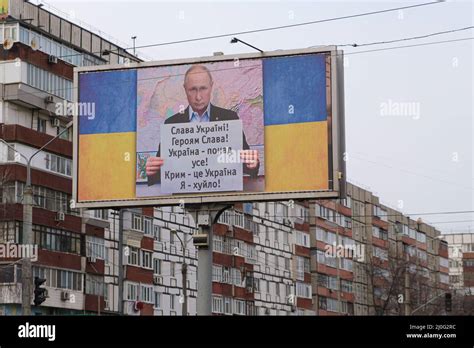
x=202 y=239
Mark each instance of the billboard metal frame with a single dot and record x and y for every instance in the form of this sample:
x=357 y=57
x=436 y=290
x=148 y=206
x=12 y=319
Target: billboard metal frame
x=337 y=179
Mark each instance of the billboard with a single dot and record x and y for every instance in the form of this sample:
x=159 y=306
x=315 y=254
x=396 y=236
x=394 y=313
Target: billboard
x=3 y=8
x=214 y=129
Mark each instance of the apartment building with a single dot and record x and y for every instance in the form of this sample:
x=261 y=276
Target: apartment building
x=461 y=261
x=38 y=50
x=369 y=259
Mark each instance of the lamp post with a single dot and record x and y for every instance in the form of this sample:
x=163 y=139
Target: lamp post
x=184 y=274
x=27 y=233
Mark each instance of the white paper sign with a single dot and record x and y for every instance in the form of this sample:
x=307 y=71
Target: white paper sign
x=193 y=152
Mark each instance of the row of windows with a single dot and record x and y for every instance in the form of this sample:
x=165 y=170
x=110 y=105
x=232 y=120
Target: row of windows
x=332 y=305
x=54 y=48
x=47 y=198
x=330 y=261
x=333 y=216
x=58 y=164
x=379 y=233
x=410 y=232
x=10 y=231
x=380 y=213
x=57 y=239
x=229 y=306
x=227 y=275
x=331 y=282
x=47 y=81
x=234 y=247
x=57 y=278
x=139 y=257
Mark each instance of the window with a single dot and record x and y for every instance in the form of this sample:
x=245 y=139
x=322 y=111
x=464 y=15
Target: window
x=227 y=305
x=156 y=266
x=41 y=127
x=300 y=267
x=157 y=299
x=58 y=164
x=380 y=253
x=172 y=302
x=132 y=291
x=95 y=247
x=303 y=290
x=58 y=240
x=237 y=277
x=287 y=264
x=443 y=262
x=380 y=213
x=302 y=239
x=238 y=219
x=172 y=269
x=251 y=253
x=133 y=256
x=346 y=264
x=421 y=237
x=146 y=293
x=444 y=278
x=146 y=258
x=147 y=226
x=422 y=255
x=379 y=233
x=346 y=286
x=347 y=307
x=157 y=233
x=239 y=307
x=332 y=283
x=347 y=202
x=218 y=243
x=137 y=222
x=217 y=304
x=217 y=273
x=226 y=275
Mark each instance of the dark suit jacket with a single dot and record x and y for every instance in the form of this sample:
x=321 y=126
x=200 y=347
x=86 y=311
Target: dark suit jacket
x=217 y=114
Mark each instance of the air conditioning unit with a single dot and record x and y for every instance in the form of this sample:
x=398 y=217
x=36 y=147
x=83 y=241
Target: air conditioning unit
x=65 y=296
x=91 y=259
x=201 y=239
x=49 y=99
x=157 y=280
x=52 y=59
x=55 y=122
x=60 y=216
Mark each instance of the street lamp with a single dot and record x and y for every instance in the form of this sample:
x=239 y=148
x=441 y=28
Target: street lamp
x=184 y=268
x=27 y=235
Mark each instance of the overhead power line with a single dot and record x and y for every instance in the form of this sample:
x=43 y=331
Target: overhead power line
x=290 y=25
x=409 y=38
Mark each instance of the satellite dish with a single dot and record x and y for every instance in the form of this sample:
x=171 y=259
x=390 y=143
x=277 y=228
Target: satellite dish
x=34 y=44
x=7 y=44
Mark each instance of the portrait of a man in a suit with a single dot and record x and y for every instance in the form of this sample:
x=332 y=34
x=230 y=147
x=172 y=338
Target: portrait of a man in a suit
x=198 y=84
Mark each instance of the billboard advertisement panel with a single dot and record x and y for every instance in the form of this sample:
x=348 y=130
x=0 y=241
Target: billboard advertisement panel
x=3 y=8
x=214 y=129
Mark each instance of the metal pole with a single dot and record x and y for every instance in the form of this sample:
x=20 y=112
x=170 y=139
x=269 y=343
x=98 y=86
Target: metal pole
x=204 y=295
x=120 y=261
x=184 y=272
x=205 y=219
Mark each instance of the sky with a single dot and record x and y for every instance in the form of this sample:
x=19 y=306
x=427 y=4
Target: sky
x=409 y=111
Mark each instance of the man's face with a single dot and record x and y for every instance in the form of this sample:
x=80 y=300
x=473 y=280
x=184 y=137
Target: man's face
x=198 y=87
